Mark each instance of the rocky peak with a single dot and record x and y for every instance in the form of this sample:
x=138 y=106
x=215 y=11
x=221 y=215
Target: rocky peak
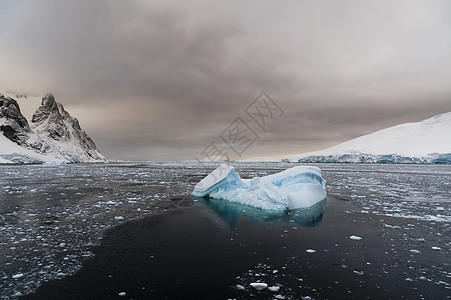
x=48 y=101
x=52 y=121
x=53 y=133
x=13 y=124
x=48 y=107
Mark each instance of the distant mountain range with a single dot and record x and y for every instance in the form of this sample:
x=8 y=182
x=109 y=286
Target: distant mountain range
x=427 y=141
x=53 y=136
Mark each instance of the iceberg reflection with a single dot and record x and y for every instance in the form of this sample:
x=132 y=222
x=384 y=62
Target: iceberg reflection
x=232 y=213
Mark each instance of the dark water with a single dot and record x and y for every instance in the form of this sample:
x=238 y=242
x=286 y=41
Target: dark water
x=53 y=218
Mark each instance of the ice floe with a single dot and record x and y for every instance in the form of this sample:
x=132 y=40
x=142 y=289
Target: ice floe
x=259 y=285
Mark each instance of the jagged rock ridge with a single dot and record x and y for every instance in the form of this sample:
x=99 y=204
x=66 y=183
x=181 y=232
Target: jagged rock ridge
x=54 y=136
x=13 y=124
x=52 y=122
x=16 y=128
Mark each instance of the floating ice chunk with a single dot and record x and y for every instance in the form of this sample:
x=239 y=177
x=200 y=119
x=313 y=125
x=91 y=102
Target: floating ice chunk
x=17 y=276
x=355 y=237
x=436 y=248
x=361 y=273
x=415 y=251
x=259 y=285
x=310 y=251
x=122 y=294
x=280 y=297
x=297 y=187
x=119 y=218
x=274 y=288
x=240 y=287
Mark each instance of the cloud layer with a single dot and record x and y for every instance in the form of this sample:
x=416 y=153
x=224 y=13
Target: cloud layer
x=160 y=80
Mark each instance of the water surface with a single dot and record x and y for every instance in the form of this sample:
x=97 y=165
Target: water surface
x=53 y=218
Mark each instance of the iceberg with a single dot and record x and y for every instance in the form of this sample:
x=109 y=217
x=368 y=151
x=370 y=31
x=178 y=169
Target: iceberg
x=297 y=187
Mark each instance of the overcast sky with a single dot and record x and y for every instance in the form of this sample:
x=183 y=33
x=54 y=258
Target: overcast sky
x=161 y=80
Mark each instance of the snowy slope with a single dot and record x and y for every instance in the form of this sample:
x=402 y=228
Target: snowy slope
x=428 y=141
x=11 y=152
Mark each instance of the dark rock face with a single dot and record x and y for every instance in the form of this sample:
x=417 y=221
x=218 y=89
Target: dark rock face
x=13 y=124
x=48 y=105
x=53 y=122
x=50 y=116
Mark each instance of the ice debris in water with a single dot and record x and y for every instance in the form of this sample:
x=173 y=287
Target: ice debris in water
x=361 y=273
x=355 y=237
x=297 y=187
x=17 y=276
x=310 y=251
x=259 y=285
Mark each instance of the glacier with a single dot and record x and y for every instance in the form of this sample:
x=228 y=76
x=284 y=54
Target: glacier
x=297 y=187
x=424 y=142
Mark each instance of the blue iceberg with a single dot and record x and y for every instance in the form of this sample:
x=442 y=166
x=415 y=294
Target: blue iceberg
x=297 y=187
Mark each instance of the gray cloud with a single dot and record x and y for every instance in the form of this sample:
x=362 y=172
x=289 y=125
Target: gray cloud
x=158 y=80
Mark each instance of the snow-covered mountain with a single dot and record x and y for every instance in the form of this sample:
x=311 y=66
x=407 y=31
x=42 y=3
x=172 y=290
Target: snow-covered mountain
x=53 y=136
x=428 y=141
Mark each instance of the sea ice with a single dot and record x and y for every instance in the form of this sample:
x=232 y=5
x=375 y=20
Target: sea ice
x=355 y=237
x=297 y=187
x=361 y=273
x=259 y=285
x=17 y=276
